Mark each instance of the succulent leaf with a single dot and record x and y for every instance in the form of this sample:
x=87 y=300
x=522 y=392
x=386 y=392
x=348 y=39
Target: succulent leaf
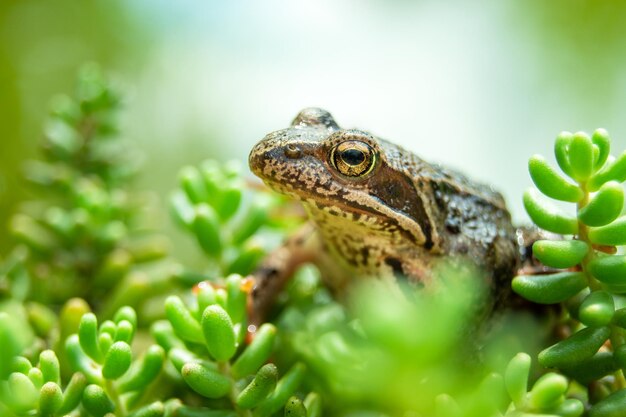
x=597 y=309
x=560 y=253
x=547 y=216
x=581 y=156
x=612 y=234
x=605 y=206
x=601 y=140
x=219 y=334
x=578 y=347
x=549 y=288
x=550 y=183
x=205 y=381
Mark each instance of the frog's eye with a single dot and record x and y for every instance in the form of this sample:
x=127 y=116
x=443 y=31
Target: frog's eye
x=353 y=158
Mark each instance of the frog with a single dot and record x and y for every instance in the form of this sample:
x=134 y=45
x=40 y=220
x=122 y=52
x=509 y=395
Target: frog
x=378 y=211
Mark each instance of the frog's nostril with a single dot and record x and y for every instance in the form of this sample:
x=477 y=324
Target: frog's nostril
x=293 y=151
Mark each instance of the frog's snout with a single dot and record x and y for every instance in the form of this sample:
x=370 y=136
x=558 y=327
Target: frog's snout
x=256 y=159
x=269 y=152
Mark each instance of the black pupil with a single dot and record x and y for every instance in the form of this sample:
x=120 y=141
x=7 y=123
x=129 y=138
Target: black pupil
x=353 y=156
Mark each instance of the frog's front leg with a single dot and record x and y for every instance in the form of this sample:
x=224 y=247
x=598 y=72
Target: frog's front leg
x=278 y=267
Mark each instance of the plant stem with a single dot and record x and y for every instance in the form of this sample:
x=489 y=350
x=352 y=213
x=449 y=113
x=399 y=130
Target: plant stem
x=617 y=336
x=224 y=368
x=120 y=410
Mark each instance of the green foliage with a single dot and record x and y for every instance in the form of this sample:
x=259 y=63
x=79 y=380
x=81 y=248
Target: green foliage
x=205 y=340
x=37 y=390
x=383 y=360
x=87 y=237
x=225 y=223
x=593 y=288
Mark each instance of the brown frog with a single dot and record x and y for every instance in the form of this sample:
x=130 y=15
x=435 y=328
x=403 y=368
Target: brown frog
x=377 y=210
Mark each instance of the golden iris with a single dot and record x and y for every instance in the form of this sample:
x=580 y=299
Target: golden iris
x=353 y=158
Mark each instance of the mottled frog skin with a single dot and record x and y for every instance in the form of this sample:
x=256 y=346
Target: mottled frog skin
x=378 y=210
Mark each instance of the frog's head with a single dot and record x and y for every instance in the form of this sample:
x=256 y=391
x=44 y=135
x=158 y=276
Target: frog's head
x=344 y=171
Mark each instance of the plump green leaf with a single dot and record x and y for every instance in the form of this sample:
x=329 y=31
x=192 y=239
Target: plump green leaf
x=181 y=209
x=213 y=177
x=205 y=296
x=206 y=228
x=602 y=142
x=561 y=152
x=605 y=206
x=549 y=288
x=581 y=156
x=578 y=347
x=36 y=377
x=183 y=322
x=571 y=407
x=284 y=389
x=50 y=399
x=598 y=366
x=251 y=222
x=609 y=269
x=516 y=378
x=108 y=327
x=313 y=404
x=49 y=365
x=261 y=386
x=295 y=408
x=229 y=200
x=548 y=391
x=73 y=393
x=205 y=381
x=23 y=391
x=612 y=171
x=611 y=406
x=126 y=313
x=117 y=360
x=547 y=216
x=612 y=234
x=145 y=371
x=88 y=336
x=560 y=253
x=550 y=183
x=125 y=332
x=236 y=299
x=219 y=334
x=96 y=401
x=20 y=364
x=105 y=340
x=597 y=309
x=193 y=184
x=256 y=353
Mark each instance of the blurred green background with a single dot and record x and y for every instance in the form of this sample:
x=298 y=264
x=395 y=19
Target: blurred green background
x=477 y=85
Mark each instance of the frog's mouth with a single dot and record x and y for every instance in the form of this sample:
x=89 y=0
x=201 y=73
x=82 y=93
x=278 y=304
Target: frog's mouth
x=285 y=189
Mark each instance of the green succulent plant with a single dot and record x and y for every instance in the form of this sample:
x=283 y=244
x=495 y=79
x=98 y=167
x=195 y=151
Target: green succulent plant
x=85 y=236
x=206 y=343
x=588 y=267
x=227 y=218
